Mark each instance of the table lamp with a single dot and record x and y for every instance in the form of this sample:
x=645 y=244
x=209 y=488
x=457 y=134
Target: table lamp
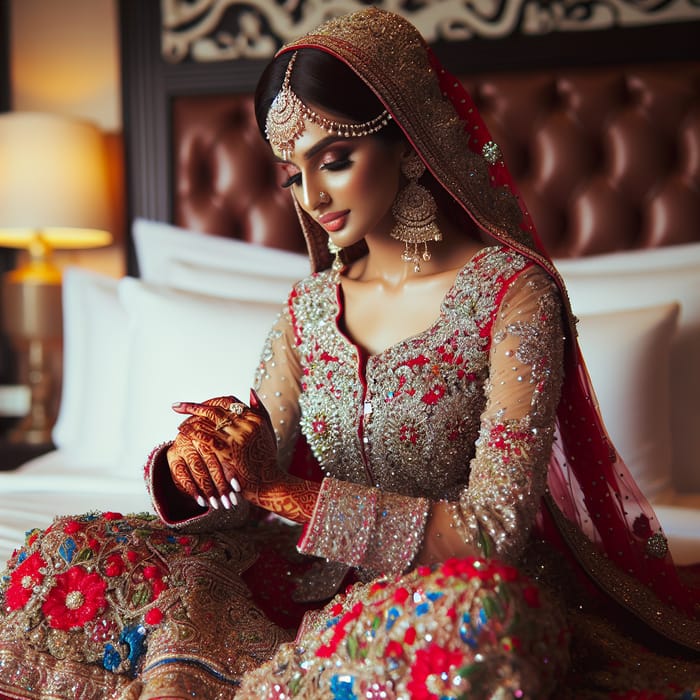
x=53 y=194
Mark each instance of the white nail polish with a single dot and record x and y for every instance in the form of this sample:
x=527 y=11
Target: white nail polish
x=225 y=502
x=235 y=485
x=213 y=503
x=201 y=502
x=233 y=499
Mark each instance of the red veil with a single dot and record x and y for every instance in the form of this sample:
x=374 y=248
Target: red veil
x=594 y=512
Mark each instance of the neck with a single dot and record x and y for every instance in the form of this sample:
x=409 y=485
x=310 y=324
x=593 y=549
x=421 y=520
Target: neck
x=384 y=262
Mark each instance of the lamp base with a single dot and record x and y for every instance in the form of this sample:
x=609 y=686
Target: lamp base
x=27 y=432
x=37 y=355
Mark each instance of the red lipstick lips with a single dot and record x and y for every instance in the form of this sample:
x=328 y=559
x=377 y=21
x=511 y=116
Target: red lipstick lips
x=334 y=221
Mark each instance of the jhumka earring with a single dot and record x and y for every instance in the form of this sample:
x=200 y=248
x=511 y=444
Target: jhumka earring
x=337 y=266
x=415 y=211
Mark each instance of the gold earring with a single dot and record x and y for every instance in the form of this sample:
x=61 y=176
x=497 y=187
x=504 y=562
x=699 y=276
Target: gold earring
x=415 y=212
x=337 y=266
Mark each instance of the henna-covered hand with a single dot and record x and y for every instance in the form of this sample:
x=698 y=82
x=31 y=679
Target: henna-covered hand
x=220 y=451
x=192 y=458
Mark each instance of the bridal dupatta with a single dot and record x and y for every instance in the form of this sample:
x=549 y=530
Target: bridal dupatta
x=593 y=509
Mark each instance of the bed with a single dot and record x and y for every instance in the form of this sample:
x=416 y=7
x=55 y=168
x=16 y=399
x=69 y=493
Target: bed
x=608 y=159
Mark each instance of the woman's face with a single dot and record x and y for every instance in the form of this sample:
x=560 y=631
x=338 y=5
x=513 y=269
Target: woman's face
x=360 y=175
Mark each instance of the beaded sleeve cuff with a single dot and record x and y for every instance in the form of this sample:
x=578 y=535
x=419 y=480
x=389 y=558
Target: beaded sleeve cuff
x=178 y=510
x=363 y=526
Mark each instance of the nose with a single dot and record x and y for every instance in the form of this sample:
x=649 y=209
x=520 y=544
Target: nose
x=312 y=197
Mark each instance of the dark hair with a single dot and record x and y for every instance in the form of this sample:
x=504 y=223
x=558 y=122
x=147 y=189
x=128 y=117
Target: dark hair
x=321 y=80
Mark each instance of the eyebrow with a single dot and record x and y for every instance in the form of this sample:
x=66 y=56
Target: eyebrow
x=318 y=146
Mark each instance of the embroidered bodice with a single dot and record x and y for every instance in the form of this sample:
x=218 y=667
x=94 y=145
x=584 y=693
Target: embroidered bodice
x=461 y=412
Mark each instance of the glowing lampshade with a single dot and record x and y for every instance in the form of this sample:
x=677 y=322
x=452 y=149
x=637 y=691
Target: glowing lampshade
x=53 y=186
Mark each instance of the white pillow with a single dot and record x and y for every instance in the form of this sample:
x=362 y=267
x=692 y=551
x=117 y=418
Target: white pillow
x=622 y=281
x=94 y=369
x=627 y=355
x=184 y=347
x=222 y=267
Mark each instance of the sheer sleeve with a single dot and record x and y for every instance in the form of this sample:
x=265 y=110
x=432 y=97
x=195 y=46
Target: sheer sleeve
x=364 y=526
x=508 y=474
x=278 y=384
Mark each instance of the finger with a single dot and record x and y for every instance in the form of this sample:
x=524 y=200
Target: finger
x=200 y=473
x=214 y=468
x=219 y=417
x=194 y=425
x=183 y=479
x=195 y=409
x=224 y=402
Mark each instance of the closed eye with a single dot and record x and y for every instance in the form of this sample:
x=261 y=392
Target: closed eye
x=340 y=164
x=292 y=180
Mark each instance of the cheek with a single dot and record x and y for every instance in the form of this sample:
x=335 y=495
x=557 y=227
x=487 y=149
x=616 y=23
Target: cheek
x=380 y=184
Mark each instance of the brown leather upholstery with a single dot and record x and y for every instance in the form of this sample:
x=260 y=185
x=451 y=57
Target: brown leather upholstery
x=225 y=180
x=606 y=158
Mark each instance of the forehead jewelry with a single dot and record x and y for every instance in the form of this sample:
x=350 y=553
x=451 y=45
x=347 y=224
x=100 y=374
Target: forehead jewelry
x=288 y=115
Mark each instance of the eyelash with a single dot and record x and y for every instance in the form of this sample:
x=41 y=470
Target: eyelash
x=333 y=166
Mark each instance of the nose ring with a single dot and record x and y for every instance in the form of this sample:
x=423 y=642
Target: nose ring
x=324 y=197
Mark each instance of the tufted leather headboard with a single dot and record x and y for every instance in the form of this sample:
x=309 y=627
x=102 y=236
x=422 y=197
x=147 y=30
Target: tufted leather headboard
x=607 y=158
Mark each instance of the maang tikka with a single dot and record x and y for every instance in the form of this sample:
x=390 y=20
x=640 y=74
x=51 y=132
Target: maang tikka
x=288 y=115
x=415 y=211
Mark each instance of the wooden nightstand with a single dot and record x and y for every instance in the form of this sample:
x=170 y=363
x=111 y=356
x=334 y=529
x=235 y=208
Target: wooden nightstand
x=13 y=454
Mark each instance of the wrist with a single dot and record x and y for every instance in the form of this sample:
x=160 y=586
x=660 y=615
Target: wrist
x=289 y=496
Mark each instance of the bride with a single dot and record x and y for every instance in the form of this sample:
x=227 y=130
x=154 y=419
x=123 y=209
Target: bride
x=419 y=499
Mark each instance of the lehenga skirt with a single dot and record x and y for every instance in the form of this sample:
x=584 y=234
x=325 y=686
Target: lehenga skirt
x=109 y=606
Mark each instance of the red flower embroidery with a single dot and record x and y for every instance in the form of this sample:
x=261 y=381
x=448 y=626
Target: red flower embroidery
x=22 y=581
x=115 y=565
x=158 y=586
x=482 y=569
x=71 y=527
x=153 y=616
x=75 y=599
x=428 y=681
x=434 y=395
x=109 y=515
x=400 y=595
x=393 y=649
x=151 y=572
x=339 y=633
x=408 y=433
x=376 y=586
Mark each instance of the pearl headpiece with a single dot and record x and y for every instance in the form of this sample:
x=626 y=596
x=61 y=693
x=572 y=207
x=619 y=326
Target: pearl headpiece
x=288 y=115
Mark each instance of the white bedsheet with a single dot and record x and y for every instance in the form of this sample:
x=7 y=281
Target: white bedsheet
x=53 y=484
